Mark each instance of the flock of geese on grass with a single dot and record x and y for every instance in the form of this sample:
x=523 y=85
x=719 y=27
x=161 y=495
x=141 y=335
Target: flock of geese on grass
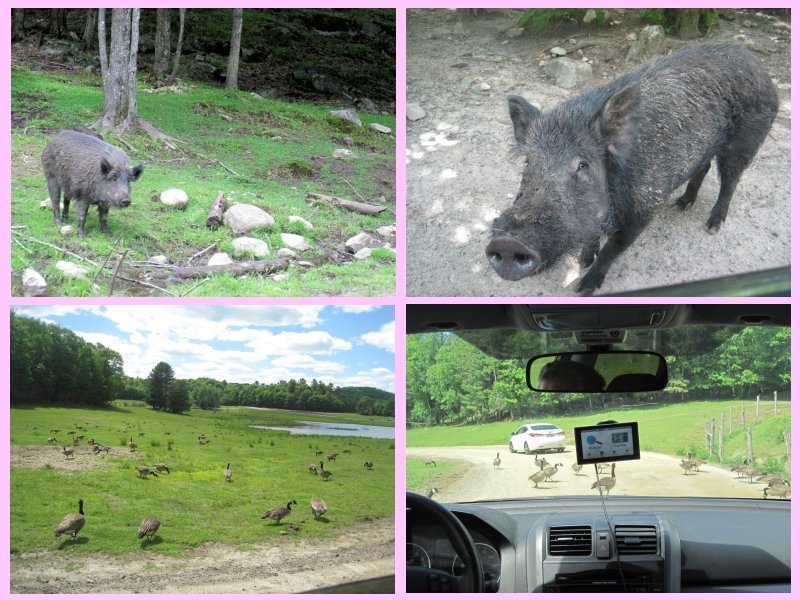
x=72 y=523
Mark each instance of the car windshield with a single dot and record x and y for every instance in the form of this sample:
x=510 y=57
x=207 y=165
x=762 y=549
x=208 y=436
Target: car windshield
x=720 y=428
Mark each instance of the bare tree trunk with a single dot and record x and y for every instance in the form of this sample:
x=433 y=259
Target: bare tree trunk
x=116 y=81
x=232 y=80
x=89 y=30
x=162 y=47
x=171 y=80
x=17 y=24
x=58 y=22
x=132 y=118
x=101 y=41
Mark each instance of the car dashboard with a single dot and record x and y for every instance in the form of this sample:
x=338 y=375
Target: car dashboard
x=648 y=545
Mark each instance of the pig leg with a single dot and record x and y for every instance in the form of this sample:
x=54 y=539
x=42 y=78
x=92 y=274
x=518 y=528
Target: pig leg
x=618 y=242
x=588 y=252
x=730 y=170
x=83 y=208
x=103 y=212
x=695 y=181
x=55 y=198
x=65 y=212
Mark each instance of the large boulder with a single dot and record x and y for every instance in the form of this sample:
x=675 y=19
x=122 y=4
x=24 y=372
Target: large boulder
x=244 y=218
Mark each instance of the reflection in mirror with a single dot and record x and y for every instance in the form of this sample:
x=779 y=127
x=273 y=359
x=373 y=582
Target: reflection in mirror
x=597 y=372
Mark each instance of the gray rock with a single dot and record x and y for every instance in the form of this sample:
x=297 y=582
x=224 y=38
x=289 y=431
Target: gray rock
x=387 y=230
x=348 y=114
x=159 y=259
x=568 y=73
x=66 y=230
x=250 y=246
x=362 y=240
x=304 y=263
x=515 y=32
x=286 y=253
x=219 y=258
x=363 y=253
x=414 y=112
x=296 y=242
x=651 y=42
x=71 y=270
x=301 y=220
x=174 y=198
x=558 y=51
x=595 y=14
x=343 y=153
x=32 y=279
x=243 y=218
x=380 y=128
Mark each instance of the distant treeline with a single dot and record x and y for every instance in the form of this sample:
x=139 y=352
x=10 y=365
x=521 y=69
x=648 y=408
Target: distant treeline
x=450 y=380
x=53 y=365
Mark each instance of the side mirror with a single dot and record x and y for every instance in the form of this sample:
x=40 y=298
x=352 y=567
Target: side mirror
x=608 y=372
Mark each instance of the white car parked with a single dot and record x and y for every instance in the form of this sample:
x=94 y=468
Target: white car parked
x=537 y=436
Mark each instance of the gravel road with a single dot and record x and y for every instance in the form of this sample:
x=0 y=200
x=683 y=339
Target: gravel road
x=653 y=475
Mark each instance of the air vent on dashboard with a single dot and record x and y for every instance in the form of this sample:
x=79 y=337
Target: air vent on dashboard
x=571 y=540
x=636 y=539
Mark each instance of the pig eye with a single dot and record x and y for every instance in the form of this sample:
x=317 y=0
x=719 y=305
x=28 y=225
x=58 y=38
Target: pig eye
x=583 y=165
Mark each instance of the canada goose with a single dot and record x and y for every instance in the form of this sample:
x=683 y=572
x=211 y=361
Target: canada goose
x=279 y=512
x=430 y=463
x=325 y=474
x=606 y=483
x=312 y=468
x=780 y=490
x=577 y=468
x=54 y=430
x=67 y=452
x=752 y=472
x=331 y=457
x=145 y=471
x=496 y=461
x=161 y=467
x=740 y=468
x=770 y=479
x=319 y=453
x=149 y=527
x=70 y=433
x=550 y=471
x=346 y=451
x=695 y=462
x=686 y=466
x=538 y=477
x=227 y=472
x=432 y=491
x=97 y=449
x=132 y=445
x=368 y=464
x=73 y=522
x=603 y=467
x=52 y=440
x=106 y=449
x=540 y=462
x=141 y=433
x=318 y=507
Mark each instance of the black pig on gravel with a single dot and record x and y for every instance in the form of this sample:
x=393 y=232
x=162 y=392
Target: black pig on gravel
x=601 y=162
x=89 y=171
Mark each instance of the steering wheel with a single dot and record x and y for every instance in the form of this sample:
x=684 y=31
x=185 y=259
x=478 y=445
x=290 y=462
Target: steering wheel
x=422 y=579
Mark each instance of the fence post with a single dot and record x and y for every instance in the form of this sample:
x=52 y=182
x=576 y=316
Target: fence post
x=750 y=445
x=787 y=438
x=743 y=420
x=711 y=437
x=721 y=436
x=730 y=420
x=775 y=395
x=758 y=402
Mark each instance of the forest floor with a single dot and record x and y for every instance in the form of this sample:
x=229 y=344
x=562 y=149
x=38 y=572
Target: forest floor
x=460 y=173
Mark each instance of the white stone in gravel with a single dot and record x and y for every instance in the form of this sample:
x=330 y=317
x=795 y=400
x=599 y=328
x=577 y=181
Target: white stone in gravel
x=558 y=51
x=220 y=258
x=250 y=246
x=343 y=153
x=387 y=231
x=175 y=198
x=296 y=219
x=414 y=112
x=71 y=270
x=296 y=242
x=158 y=259
x=380 y=128
x=286 y=253
x=33 y=279
x=243 y=218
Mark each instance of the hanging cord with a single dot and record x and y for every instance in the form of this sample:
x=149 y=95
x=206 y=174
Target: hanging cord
x=611 y=529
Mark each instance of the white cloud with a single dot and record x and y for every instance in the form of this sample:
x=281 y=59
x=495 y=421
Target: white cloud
x=379 y=377
x=356 y=309
x=383 y=338
x=308 y=364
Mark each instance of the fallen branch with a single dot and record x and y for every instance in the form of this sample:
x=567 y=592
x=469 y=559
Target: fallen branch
x=203 y=251
x=218 y=207
x=360 y=207
x=116 y=273
x=234 y=269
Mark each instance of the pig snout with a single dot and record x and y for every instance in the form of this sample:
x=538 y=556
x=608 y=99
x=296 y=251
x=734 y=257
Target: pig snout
x=125 y=202
x=511 y=258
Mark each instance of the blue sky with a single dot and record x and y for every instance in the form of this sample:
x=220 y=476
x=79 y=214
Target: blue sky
x=342 y=345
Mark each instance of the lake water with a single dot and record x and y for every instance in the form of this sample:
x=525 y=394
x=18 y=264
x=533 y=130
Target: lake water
x=343 y=429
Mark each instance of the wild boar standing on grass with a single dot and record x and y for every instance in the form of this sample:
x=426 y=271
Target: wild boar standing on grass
x=89 y=171
x=600 y=163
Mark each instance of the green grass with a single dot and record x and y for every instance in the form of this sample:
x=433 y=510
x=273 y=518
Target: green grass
x=194 y=502
x=669 y=429
x=278 y=150
x=421 y=478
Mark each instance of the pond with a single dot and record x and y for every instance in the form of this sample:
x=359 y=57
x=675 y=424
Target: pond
x=342 y=429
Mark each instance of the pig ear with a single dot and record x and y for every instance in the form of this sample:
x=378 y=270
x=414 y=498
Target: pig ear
x=522 y=115
x=136 y=172
x=619 y=120
x=105 y=167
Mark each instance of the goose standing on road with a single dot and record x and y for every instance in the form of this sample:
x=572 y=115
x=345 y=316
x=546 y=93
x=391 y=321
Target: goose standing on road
x=606 y=483
x=496 y=461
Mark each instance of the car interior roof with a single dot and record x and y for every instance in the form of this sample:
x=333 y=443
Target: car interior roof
x=422 y=318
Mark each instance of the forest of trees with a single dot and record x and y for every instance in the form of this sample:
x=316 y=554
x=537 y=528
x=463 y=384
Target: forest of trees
x=52 y=365
x=450 y=380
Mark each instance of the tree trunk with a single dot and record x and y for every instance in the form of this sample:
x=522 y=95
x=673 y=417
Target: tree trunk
x=687 y=23
x=216 y=211
x=101 y=41
x=116 y=82
x=171 y=80
x=58 y=22
x=17 y=24
x=162 y=47
x=232 y=79
x=89 y=30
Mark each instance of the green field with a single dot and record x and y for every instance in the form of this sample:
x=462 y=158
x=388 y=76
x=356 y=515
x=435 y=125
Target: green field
x=668 y=429
x=265 y=152
x=194 y=502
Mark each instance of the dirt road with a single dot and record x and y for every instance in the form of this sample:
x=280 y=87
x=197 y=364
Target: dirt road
x=653 y=475
x=293 y=565
x=460 y=172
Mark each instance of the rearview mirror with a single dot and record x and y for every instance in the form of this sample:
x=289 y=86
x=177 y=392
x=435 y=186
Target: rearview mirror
x=597 y=372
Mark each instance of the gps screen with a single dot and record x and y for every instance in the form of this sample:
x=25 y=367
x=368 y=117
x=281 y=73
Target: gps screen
x=602 y=443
